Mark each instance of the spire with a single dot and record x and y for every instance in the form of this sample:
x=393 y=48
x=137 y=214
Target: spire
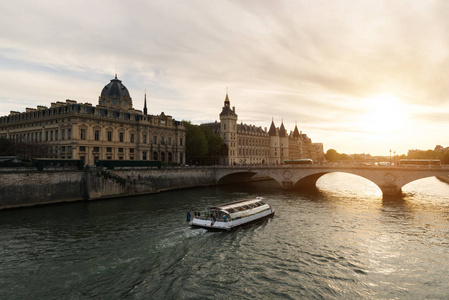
x=272 y=131
x=145 y=111
x=282 y=131
x=227 y=111
x=296 y=131
x=227 y=103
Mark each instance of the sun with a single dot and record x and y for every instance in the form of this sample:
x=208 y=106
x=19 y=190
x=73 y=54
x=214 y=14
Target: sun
x=384 y=113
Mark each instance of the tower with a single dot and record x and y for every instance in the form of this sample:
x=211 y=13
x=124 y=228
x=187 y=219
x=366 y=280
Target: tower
x=283 y=143
x=275 y=153
x=228 y=130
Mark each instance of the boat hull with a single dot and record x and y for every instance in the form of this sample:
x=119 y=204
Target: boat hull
x=208 y=224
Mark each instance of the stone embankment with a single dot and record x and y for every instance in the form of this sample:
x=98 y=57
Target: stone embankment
x=31 y=187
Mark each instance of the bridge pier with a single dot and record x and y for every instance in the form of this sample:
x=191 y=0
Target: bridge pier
x=287 y=185
x=390 y=190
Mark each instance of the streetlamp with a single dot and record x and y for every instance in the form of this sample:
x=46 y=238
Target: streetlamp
x=390 y=156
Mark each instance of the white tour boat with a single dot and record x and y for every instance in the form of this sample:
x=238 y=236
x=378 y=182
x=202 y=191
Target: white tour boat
x=230 y=215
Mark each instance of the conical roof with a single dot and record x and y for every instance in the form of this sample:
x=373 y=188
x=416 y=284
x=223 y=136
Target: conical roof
x=272 y=131
x=282 y=131
x=296 y=132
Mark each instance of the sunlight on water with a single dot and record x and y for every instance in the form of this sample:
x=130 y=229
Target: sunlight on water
x=349 y=185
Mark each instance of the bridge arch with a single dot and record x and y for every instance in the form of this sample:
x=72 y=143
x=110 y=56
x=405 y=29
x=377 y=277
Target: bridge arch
x=389 y=179
x=242 y=176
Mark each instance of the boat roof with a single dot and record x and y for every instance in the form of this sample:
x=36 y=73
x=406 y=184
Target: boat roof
x=238 y=204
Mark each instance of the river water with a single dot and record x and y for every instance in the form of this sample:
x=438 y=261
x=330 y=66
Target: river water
x=342 y=240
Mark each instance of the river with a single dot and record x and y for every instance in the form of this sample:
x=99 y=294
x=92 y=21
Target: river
x=342 y=240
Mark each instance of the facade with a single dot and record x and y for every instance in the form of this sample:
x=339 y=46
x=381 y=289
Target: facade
x=248 y=144
x=113 y=129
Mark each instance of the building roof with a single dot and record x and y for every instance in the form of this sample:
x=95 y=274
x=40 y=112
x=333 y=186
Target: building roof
x=296 y=132
x=227 y=111
x=272 y=131
x=282 y=131
x=250 y=129
x=115 y=89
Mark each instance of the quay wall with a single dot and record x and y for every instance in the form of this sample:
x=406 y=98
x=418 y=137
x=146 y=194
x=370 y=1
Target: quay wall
x=28 y=188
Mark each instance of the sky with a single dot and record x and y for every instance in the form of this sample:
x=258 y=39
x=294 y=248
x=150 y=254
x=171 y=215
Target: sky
x=365 y=76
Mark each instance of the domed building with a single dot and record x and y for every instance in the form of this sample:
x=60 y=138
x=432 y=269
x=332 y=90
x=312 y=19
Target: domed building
x=115 y=95
x=111 y=130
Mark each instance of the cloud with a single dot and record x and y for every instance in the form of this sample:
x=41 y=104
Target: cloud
x=312 y=63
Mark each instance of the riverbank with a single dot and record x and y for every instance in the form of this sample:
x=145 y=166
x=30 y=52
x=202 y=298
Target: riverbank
x=29 y=187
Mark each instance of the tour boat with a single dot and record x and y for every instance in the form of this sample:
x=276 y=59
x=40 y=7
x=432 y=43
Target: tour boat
x=230 y=215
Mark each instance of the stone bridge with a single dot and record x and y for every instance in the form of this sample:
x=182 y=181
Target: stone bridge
x=390 y=179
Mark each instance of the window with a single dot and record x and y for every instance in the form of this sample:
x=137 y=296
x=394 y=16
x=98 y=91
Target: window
x=162 y=141
x=144 y=138
x=97 y=135
x=132 y=138
x=169 y=140
x=69 y=133
x=82 y=148
x=131 y=150
x=144 y=155
x=120 y=150
x=154 y=140
x=121 y=137
x=63 y=134
x=109 y=136
x=109 y=149
x=96 y=149
x=56 y=135
x=46 y=135
x=83 y=134
x=180 y=141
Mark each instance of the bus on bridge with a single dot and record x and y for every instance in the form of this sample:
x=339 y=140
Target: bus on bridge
x=419 y=162
x=298 y=162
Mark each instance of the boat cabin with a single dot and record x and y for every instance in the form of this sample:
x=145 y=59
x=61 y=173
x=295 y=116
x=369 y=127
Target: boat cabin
x=234 y=211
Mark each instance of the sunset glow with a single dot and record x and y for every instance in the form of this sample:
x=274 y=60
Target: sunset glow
x=384 y=114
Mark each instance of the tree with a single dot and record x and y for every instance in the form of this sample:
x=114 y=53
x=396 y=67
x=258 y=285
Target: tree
x=6 y=147
x=445 y=158
x=214 y=142
x=196 y=143
x=332 y=155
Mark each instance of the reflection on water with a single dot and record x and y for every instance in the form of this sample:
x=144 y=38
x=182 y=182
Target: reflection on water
x=341 y=240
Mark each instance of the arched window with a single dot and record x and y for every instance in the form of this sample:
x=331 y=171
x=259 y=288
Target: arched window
x=170 y=157
x=155 y=156
x=162 y=156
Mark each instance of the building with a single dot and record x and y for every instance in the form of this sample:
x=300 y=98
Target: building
x=113 y=129
x=248 y=144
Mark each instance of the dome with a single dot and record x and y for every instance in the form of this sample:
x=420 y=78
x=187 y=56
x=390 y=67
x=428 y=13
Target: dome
x=115 y=89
